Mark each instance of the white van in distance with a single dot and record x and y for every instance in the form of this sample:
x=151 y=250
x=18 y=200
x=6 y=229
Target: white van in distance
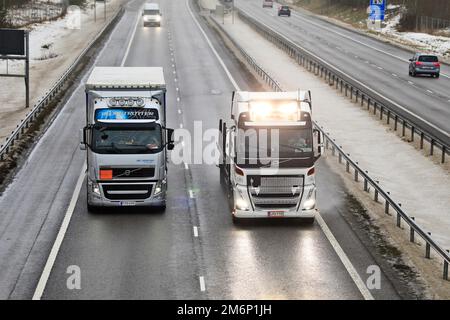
x=151 y=15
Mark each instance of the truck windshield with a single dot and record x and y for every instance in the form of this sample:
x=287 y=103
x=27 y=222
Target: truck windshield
x=110 y=140
x=151 y=12
x=290 y=147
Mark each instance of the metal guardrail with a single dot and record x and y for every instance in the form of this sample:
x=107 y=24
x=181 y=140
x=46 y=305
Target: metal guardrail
x=51 y=94
x=353 y=88
x=358 y=173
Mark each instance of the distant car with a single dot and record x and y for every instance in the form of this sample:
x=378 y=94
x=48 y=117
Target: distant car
x=267 y=4
x=424 y=64
x=284 y=11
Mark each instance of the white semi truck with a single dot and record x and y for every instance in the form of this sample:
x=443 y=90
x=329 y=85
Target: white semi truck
x=125 y=137
x=267 y=155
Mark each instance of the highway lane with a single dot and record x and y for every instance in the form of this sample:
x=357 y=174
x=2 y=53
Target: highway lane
x=148 y=254
x=123 y=255
x=379 y=65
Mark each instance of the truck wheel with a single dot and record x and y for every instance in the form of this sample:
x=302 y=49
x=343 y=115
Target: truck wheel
x=235 y=220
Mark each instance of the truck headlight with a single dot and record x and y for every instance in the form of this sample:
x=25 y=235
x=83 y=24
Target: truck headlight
x=309 y=204
x=158 y=18
x=241 y=204
x=159 y=187
x=95 y=188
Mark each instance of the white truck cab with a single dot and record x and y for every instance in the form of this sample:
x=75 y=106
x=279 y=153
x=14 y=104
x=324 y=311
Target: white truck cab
x=268 y=155
x=151 y=15
x=125 y=137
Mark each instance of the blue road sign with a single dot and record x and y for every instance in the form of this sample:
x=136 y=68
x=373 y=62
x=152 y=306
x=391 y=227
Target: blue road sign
x=377 y=9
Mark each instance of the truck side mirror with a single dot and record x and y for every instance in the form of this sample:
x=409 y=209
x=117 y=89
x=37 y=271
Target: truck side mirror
x=82 y=139
x=318 y=135
x=170 y=142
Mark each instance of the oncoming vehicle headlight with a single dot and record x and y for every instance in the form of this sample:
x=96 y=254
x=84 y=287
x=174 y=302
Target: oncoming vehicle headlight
x=241 y=204
x=309 y=204
x=158 y=18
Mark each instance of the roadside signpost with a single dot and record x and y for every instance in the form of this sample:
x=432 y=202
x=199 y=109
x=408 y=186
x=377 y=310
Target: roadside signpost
x=377 y=10
x=14 y=45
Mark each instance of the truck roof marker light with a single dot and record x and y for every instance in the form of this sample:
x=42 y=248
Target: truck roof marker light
x=106 y=174
x=311 y=171
x=238 y=171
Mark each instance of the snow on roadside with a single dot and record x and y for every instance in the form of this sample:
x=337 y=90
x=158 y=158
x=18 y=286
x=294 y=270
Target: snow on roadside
x=439 y=45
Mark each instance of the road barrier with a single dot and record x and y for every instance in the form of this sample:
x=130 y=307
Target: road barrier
x=43 y=102
x=358 y=174
x=388 y=110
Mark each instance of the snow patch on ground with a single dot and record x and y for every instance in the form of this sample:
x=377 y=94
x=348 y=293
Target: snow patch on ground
x=439 y=45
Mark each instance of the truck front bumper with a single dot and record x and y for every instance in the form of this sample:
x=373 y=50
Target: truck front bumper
x=273 y=214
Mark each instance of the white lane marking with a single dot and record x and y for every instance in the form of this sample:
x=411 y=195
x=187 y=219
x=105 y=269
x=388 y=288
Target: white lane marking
x=337 y=248
x=178 y=99
x=380 y=68
x=186 y=166
x=65 y=224
x=181 y=126
x=430 y=91
x=394 y=75
x=227 y=72
x=130 y=42
x=179 y=111
x=360 y=42
x=411 y=83
x=195 y=232
x=202 y=283
x=358 y=82
x=59 y=238
x=191 y=194
x=344 y=259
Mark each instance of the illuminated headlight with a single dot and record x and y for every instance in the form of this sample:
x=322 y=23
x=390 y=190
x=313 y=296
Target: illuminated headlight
x=241 y=203
x=309 y=204
x=158 y=18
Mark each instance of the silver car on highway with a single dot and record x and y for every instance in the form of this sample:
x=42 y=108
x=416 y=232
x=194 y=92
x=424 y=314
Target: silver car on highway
x=424 y=64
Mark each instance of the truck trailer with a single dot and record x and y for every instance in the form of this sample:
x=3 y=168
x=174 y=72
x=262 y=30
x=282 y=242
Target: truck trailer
x=268 y=155
x=125 y=137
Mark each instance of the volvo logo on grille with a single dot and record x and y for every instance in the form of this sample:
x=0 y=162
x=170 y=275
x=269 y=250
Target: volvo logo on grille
x=127 y=173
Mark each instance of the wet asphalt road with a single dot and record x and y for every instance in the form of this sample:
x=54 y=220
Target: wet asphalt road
x=146 y=254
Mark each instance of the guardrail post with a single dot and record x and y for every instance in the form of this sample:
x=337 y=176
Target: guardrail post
x=351 y=93
x=427 y=249
x=375 y=104
x=340 y=157
x=432 y=147
x=333 y=150
x=412 y=133
x=395 y=122
x=381 y=112
x=386 y=205
x=403 y=127
x=356 y=98
x=362 y=100
x=376 y=192
x=346 y=89
x=366 y=188
x=388 y=117
x=445 y=275
x=443 y=154
x=421 y=140
x=347 y=166
x=356 y=174
x=399 y=217
x=411 y=231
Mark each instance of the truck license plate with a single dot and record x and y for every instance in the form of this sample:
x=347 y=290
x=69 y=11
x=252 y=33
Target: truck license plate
x=276 y=214
x=127 y=203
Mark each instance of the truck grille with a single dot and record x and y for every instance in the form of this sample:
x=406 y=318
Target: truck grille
x=127 y=191
x=275 y=191
x=122 y=173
